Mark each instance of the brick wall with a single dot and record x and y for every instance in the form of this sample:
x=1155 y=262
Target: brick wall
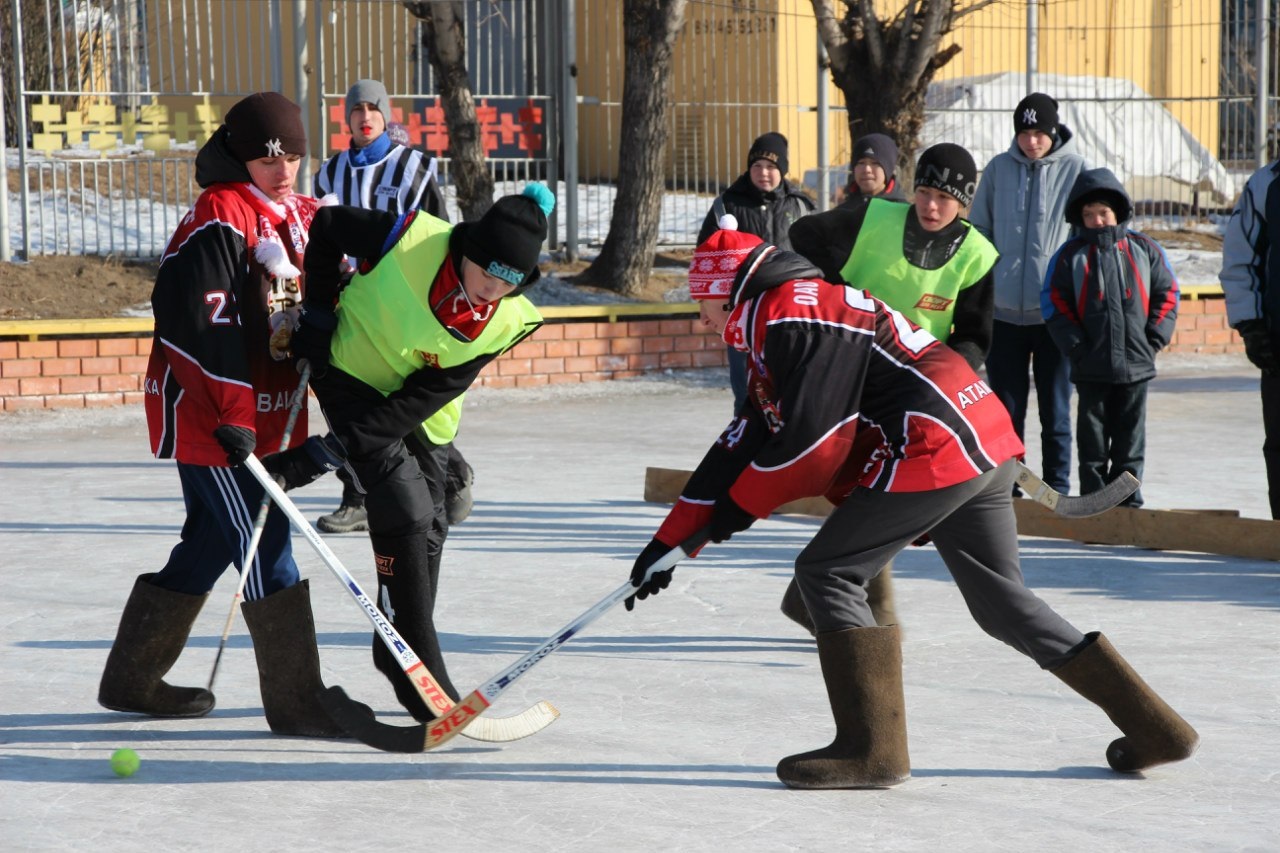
x=85 y=372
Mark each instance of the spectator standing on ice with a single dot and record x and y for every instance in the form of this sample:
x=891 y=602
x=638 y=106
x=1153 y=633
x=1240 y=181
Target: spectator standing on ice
x=1110 y=304
x=1020 y=206
x=763 y=202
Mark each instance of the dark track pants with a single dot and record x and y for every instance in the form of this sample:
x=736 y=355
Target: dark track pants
x=1013 y=348
x=222 y=505
x=1111 y=433
x=975 y=531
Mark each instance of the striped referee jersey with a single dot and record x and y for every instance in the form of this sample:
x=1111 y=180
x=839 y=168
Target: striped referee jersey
x=403 y=180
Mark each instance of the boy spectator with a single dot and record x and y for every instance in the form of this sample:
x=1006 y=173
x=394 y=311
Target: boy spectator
x=763 y=203
x=1019 y=206
x=1110 y=304
x=874 y=168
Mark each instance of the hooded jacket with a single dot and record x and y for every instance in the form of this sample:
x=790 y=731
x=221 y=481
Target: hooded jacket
x=1020 y=206
x=1110 y=300
x=1250 y=274
x=216 y=305
x=767 y=215
x=844 y=392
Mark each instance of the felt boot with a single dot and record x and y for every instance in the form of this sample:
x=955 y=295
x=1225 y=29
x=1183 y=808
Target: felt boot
x=1154 y=733
x=793 y=607
x=862 y=668
x=153 y=631
x=284 y=643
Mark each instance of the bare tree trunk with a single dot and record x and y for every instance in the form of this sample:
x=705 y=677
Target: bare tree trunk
x=649 y=33
x=445 y=42
x=899 y=53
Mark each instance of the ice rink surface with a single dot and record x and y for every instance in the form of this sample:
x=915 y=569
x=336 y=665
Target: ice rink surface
x=674 y=715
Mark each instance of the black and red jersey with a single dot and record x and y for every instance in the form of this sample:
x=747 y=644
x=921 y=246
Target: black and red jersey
x=214 y=304
x=845 y=392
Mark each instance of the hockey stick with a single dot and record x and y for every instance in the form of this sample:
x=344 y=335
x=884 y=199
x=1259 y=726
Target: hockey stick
x=260 y=523
x=1081 y=506
x=466 y=714
x=496 y=729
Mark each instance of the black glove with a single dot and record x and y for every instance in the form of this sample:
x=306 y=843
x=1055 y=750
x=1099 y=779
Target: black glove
x=307 y=462
x=727 y=518
x=652 y=553
x=1257 y=345
x=311 y=339
x=237 y=441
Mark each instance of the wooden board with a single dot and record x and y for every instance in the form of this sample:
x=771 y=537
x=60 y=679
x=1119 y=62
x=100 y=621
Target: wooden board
x=1210 y=531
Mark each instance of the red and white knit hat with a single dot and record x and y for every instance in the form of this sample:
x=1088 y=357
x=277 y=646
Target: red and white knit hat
x=715 y=263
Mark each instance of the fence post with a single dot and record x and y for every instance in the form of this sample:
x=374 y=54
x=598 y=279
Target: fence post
x=569 y=130
x=6 y=254
x=1264 y=79
x=1033 y=44
x=20 y=104
x=824 y=116
x=303 y=182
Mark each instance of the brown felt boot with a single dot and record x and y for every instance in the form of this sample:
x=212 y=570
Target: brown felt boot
x=284 y=642
x=1154 y=733
x=153 y=631
x=863 y=671
x=793 y=607
x=880 y=597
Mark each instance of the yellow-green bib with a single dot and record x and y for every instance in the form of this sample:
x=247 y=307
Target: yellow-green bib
x=926 y=297
x=387 y=331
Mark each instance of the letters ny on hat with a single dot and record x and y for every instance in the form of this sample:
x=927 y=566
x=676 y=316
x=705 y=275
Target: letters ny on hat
x=1036 y=111
x=265 y=124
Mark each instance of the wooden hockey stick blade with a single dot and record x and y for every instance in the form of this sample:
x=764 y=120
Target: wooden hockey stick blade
x=1079 y=506
x=466 y=714
x=492 y=729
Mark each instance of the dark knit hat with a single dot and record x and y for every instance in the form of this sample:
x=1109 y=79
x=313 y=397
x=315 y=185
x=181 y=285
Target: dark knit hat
x=507 y=241
x=771 y=147
x=950 y=168
x=880 y=148
x=1036 y=111
x=369 y=92
x=265 y=124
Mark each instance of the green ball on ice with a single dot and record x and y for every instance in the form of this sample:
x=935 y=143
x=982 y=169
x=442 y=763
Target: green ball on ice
x=125 y=762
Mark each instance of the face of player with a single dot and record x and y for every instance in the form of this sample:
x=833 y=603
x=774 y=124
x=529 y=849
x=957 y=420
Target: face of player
x=714 y=314
x=367 y=124
x=935 y=209
x=1098 y=215
x=765 y=175
x=480 y=287
x=869 y=176
x=275 y=175
x=1034 y=143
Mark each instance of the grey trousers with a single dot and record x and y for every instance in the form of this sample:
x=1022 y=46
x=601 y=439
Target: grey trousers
x=975 y=531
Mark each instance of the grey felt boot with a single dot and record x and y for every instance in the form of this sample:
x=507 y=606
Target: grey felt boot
x=862 y=668
x=1154 y=733
x=153 y=630
x=284 y=643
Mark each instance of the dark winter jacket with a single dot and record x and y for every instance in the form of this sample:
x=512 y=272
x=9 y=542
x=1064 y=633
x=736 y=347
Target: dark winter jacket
x=828 y=239
x=1250 y=274
x=766 y=215
x=844 y=394
x=1110 y=299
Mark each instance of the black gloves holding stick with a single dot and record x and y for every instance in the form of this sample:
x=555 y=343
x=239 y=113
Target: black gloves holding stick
x=727 y=518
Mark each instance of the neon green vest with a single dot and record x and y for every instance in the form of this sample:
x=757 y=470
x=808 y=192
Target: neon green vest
x=386 y=330
x=926 y=297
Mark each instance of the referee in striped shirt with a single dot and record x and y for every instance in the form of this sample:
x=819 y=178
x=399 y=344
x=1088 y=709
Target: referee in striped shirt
x=378 y=173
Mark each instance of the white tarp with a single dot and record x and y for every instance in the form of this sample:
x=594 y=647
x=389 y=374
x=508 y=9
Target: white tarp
x=1114 y=122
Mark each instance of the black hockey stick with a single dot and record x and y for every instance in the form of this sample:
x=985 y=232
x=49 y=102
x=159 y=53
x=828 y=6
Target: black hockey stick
x=425 y=736
x=1081 y=506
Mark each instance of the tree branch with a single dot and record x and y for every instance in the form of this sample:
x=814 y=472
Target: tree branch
x=833 y=38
